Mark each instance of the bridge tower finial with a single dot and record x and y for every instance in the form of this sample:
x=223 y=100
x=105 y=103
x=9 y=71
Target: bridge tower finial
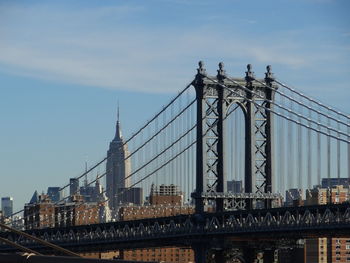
x=249 y=74
x=201 y=70
x=221 y=71
x=269 y=75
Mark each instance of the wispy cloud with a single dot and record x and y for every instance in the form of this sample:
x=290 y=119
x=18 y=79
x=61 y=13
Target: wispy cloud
x=80 y=47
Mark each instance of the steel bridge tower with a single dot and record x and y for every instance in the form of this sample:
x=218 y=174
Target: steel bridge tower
x=215 y=95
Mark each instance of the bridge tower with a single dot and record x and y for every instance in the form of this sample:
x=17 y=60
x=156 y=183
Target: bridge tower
x=215 y=94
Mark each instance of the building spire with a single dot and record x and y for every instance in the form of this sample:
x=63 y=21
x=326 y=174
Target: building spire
x=118 y=132
x=118 y=112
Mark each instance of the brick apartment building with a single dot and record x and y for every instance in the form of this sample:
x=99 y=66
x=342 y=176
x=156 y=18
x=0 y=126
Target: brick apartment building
x=327 y=250
x=44 y=213
x=165 y=200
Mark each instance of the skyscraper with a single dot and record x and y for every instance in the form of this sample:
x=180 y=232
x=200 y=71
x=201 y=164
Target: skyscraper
x=7 y=206
x=117 y=168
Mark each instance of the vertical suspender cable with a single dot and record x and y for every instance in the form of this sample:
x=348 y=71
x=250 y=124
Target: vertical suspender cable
x=338 y=155
x=328 y=153
x=318 y=152
x=281 y=155
x=291 y=151
x=348 y=161
x=300 y=156
x=309 y=157
x=236 y=134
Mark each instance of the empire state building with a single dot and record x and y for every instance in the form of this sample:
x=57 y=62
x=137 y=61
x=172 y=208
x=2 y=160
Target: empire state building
x=117 y=168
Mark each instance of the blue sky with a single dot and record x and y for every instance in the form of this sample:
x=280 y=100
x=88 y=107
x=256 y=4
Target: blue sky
x=64 y=65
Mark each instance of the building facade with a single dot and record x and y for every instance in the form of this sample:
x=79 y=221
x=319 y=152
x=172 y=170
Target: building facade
x=165 y=200
x=118 y=168
x=42 y=213
x=294 y=196
x=327 y=250
x=7 y=206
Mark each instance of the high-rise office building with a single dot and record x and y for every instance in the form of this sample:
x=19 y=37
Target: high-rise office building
x=117 y=168
x=7 y=206
x=73 y=186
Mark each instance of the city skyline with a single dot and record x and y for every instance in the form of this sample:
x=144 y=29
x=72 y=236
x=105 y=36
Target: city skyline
x=42 y=120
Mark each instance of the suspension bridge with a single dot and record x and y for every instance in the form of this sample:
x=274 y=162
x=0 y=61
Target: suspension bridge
x=218 y=129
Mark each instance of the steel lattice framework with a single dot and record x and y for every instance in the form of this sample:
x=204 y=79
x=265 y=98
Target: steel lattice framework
x=276 y=223
x=213 y=102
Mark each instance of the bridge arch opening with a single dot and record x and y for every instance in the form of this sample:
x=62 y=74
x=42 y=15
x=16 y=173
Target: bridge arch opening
x=235 y=130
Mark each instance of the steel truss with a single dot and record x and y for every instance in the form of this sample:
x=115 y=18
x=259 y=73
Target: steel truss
x=276 y=223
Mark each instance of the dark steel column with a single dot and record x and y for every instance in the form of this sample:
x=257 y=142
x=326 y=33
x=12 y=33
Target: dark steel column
x=222 y=107
x=249 y=180
x=200 y=152
x=269 y=133
x=200 y=252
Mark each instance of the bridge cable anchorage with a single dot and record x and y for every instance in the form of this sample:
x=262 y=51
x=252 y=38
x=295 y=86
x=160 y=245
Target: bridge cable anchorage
x=277 y=113
x=41 y=241
x=313 y=100
x=284 y=108
x=302 y=104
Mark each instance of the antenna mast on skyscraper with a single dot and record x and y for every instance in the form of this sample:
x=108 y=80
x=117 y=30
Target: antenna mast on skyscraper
x=118 y=110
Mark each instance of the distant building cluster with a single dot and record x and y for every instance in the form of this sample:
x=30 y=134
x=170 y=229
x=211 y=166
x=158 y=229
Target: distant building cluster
x=44 y=211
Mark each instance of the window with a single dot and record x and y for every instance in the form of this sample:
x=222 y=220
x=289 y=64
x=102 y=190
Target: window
x=347 y=246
